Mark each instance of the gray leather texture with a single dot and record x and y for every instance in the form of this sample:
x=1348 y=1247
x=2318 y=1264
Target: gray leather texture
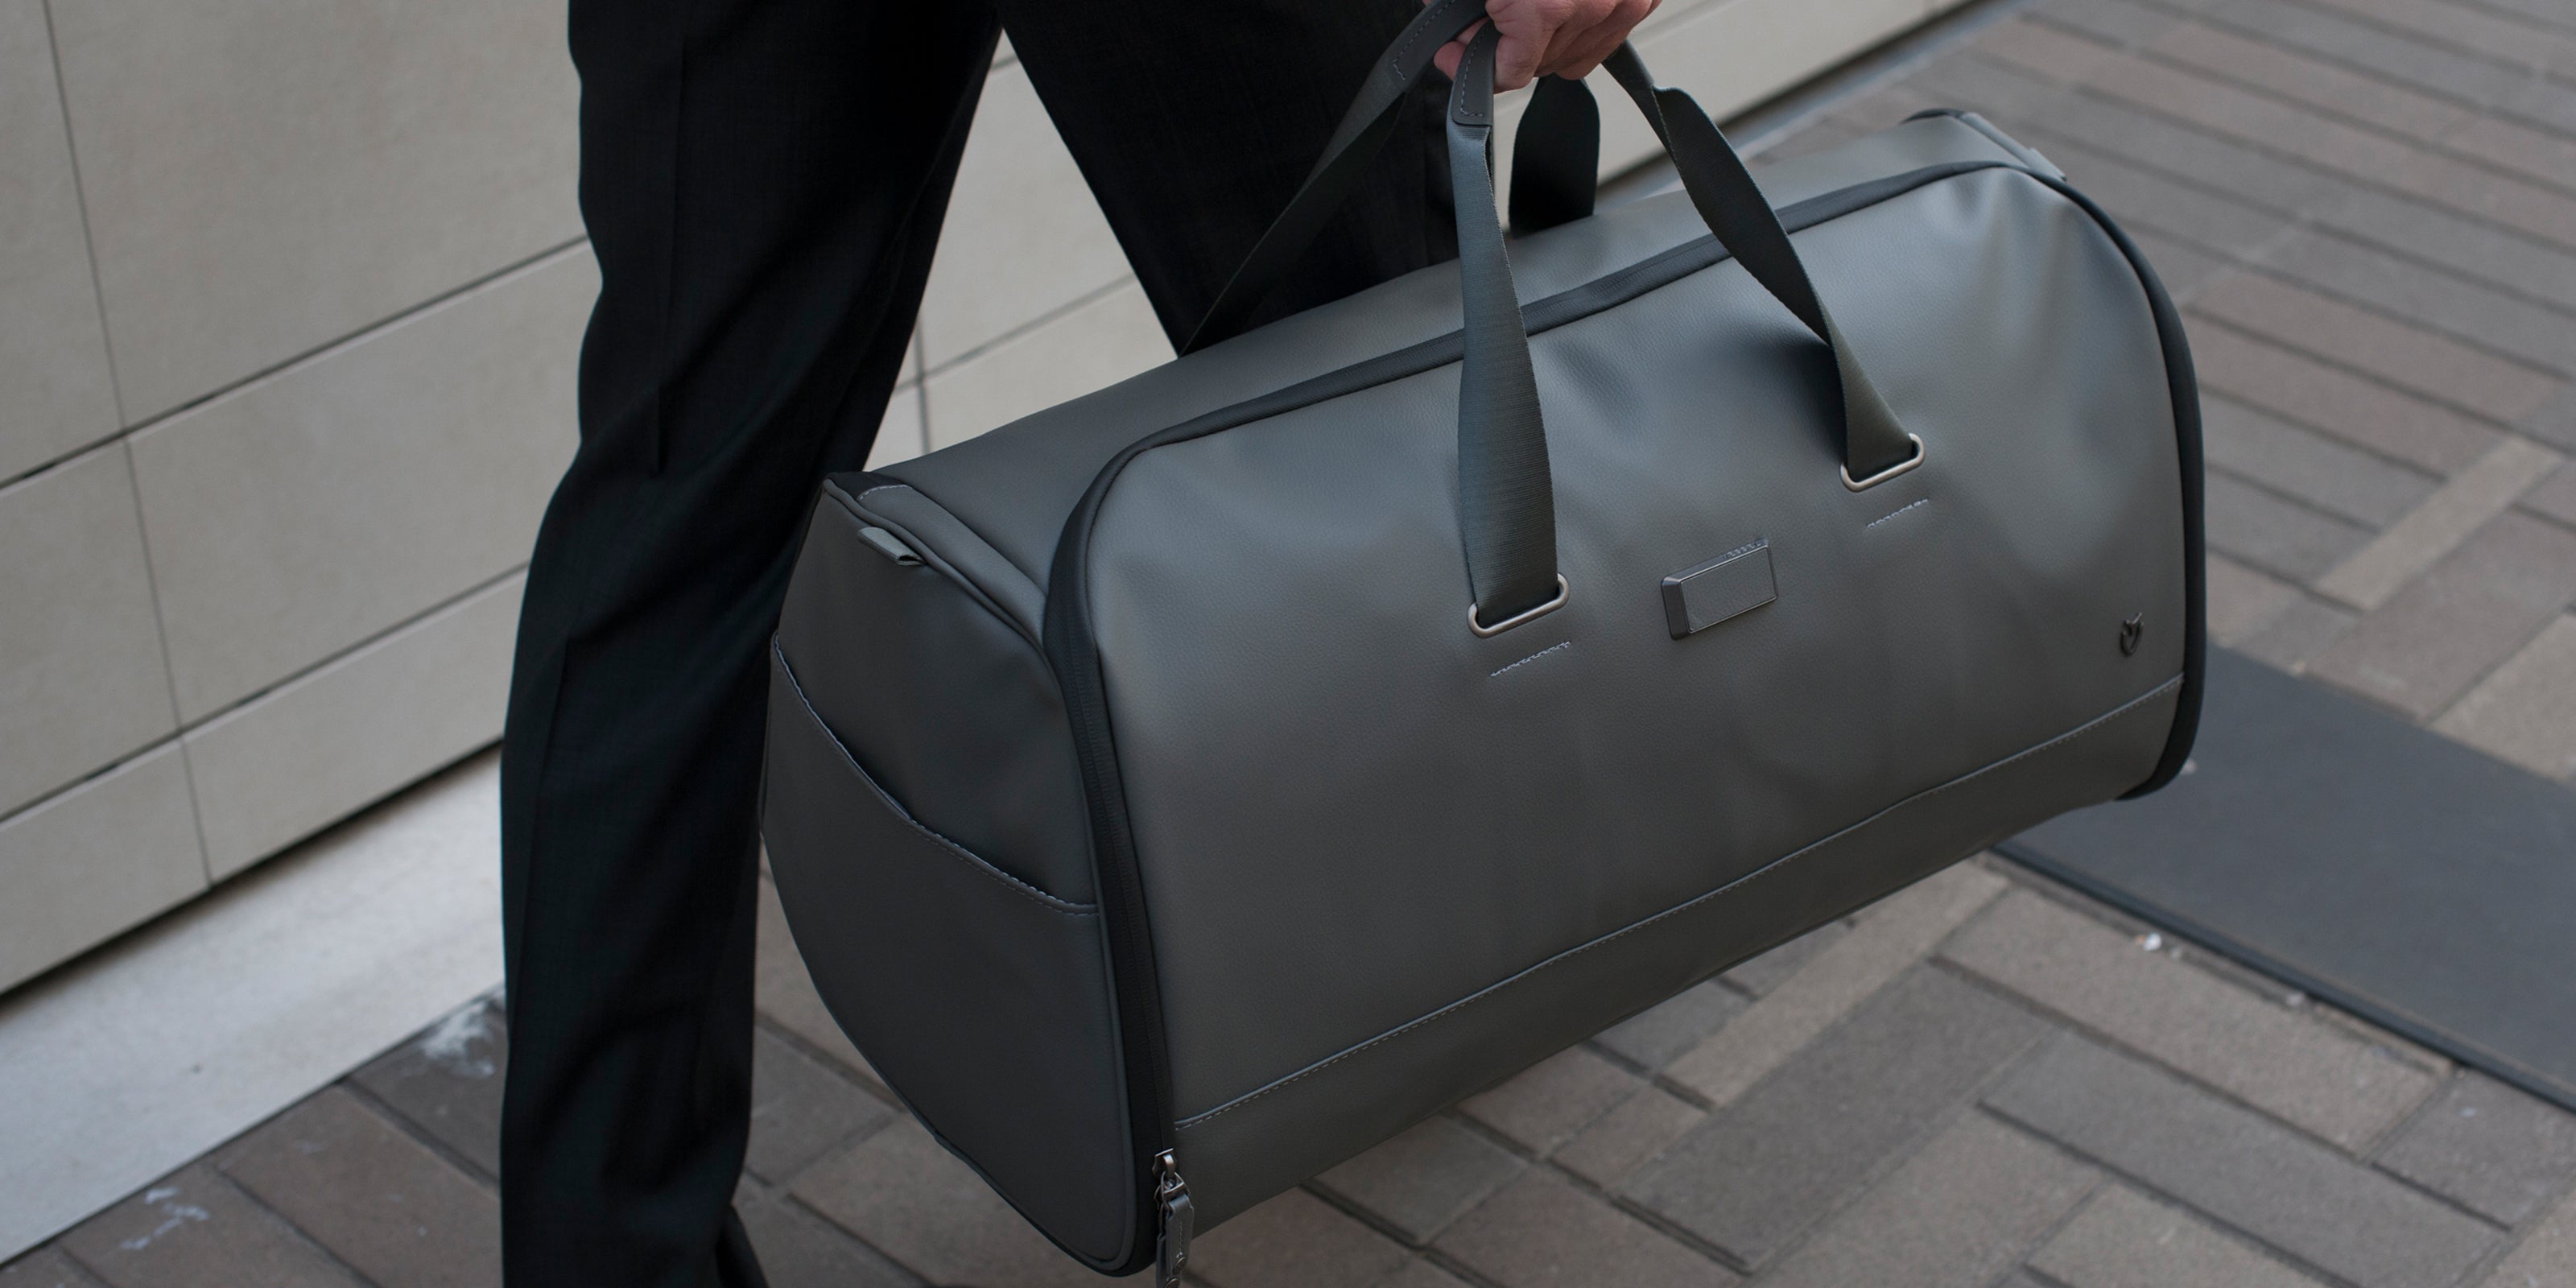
x=981 y=1000
x=1351 y=811
x=1372 y=1090
x=1015 y=485
x=1389 y=861
x=952 y=706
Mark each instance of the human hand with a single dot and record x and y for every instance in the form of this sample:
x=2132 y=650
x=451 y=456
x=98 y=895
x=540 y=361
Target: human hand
x=1549 y=37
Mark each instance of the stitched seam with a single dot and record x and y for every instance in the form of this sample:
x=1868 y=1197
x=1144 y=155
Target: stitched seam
x=1747 y=879
x=1533 y=657
x=1014 y=884
x=1404 y=51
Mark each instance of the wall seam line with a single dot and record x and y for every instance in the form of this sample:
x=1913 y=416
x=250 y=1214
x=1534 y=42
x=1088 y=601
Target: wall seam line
x=350 y=339
x=80 y=198
x=309 y=669
x=169 y=672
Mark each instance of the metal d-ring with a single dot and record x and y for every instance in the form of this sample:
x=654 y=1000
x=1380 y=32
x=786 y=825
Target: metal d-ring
x=1484 y=632
x=1890 y=472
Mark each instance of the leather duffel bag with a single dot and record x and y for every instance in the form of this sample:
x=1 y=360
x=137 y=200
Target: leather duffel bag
x=1187 y=787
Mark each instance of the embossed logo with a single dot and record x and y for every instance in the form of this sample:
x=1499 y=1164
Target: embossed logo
x=2130 y=632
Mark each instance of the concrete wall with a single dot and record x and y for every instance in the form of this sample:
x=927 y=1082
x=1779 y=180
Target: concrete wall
x=290 y=293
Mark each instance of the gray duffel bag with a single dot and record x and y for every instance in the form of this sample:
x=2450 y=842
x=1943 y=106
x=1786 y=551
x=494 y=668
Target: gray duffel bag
x=1185 y=788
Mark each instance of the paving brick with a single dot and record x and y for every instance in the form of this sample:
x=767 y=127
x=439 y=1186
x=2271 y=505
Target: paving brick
x=2472 y=310
x=1954 y=1216
x=2553 y=12
x=912 y=1200
x=1621 y=1140
x=2047 y=50
x=2123 y=1239
x=2525 y=712
x=801 y=1110
x=2240 y=1167
x=2108 y=21
x=2555 y=422
x=1765 y=971
x=1765 y=1167
x=1544 y=1233
x=800 y=1250
x=1891 y=937
x=2549 y=103
x=2321 y=140
x=2004 y=94
x=1295 y=1241
x=2241 y=600
x=447 y=1082
x=2546 y=1257
x=2272 y=532
x=1421 y=1274
x=2538 y=154
x=2451 y=626
x=192 y=1229
x=2457 y=242
x=1884 y=108
x=1654 y=1036
x=2496 y=1150
x=2325 y=473
x=784 y=992
x=2556 y=496
x=1546 y=1104
x=2366 y=341
x=2184 y=269
x=2275 y=1059
x=2311 y=80
x=44 y=1268
x=2296 y=634
x=2373 y=575
x=2181 y=154
x=1424 y=1178
x=377 y=1199
x=2397 y=425
x=2371 y=48
x=2143 y=199
x=2494 y=35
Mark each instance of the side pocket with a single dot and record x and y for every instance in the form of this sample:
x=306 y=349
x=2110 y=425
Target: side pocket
x=981 y=1000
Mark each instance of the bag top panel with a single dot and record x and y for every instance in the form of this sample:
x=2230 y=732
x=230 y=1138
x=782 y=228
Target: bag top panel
x=1015 y=485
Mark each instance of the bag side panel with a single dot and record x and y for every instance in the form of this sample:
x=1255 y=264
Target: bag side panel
x=924 y=824
x=944 y=701
x=980 y=1000
x=1378 y=1088
x=1351 y=813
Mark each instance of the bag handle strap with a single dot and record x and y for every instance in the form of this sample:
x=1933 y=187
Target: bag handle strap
x=1506 y=496
x=1733 y=207
x=1364 y=129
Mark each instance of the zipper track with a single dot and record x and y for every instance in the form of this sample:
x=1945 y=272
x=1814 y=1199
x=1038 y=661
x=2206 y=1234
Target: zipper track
x=1073 y=652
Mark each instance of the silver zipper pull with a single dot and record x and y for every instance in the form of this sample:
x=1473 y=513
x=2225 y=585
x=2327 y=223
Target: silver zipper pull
x=1178 y=1219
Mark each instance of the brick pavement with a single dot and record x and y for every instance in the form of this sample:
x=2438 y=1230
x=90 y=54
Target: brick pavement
x=2369 y=210
x=1983 y=1080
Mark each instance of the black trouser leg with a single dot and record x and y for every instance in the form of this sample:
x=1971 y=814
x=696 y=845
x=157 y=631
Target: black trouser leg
x=763 y=182
x=763 y=185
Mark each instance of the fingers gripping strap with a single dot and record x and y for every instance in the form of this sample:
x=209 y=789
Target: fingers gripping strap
x=1734 y=208
x=1355 y=142
x=1506 y=502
